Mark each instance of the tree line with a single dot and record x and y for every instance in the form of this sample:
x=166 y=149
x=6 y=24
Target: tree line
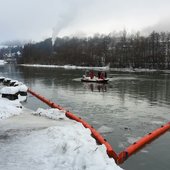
x=123 y=50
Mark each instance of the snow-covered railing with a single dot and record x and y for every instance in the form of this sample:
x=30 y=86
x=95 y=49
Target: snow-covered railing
x=10 y=93
x=2 y=79
x=22 y=90
x=6 y=81
x=10 y=98
x=12 y=82
x=13 y=89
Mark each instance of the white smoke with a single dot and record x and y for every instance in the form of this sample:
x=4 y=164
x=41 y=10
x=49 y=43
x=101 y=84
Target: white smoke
x=162 y=25
x=62 y=23
x=64 y=20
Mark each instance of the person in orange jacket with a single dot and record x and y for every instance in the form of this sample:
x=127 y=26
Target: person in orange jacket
x=91 y=74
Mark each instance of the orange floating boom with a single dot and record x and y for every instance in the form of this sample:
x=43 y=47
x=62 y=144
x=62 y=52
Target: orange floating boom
x=124 y=155
x=43 y=99
x=142 y=142
x=111 y=153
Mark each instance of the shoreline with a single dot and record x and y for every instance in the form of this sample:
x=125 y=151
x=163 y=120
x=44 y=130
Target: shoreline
x=105 y=68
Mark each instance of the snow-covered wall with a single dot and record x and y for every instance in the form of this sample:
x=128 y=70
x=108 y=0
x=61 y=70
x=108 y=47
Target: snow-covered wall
x=10 y=108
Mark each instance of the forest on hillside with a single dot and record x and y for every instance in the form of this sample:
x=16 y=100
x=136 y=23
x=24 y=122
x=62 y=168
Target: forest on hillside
x=121 y=50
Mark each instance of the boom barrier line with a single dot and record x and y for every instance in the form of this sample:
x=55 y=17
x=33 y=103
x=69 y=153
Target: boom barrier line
x=129 y=151
x=111 y=153
x=122 y=156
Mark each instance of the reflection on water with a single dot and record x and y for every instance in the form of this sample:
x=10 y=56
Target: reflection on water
x=130 y=106
x=95 y=87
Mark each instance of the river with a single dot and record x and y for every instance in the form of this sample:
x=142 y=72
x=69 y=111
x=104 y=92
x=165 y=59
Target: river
x=127 y=108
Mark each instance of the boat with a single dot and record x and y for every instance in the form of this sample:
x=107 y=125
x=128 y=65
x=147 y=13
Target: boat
x=94 y=79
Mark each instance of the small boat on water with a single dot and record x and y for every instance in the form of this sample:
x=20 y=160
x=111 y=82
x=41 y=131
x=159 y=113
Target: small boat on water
x=94 y=79
x=90 y=77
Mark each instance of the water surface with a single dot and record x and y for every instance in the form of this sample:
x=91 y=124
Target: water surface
x=127 y=108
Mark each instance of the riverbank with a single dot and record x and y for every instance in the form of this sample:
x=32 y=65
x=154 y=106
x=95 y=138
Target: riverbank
x=105 y=68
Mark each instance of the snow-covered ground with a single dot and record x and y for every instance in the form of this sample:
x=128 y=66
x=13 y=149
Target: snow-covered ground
x=9 y=108
x=131 y=70
x=2 y=62
x=106 y=68
x=48 y=140
x=66 y=66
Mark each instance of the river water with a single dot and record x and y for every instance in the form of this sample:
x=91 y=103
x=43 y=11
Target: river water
x=127 y=108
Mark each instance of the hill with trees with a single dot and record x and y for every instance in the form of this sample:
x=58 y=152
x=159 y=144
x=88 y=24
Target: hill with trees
x=123 y=50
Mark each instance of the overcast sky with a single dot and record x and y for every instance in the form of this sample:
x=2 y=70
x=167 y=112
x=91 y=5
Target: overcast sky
x=39 y=19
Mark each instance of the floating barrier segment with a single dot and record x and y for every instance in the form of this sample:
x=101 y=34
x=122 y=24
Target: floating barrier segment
x=122 y=156
x=43 y=99
x=142 y=142
x=111 y=153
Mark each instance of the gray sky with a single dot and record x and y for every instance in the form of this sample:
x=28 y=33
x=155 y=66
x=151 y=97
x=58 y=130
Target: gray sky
x=39 y=19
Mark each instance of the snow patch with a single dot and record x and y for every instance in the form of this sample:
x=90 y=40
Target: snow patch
x=51 y=113
x=72 y=145
x=68 y=147
x=105 y=129
x=66 y=66
x=18 y=83
x=131 y=140
x=157 y=122
x=9 y=90
x=23 y=88
x=9 y=108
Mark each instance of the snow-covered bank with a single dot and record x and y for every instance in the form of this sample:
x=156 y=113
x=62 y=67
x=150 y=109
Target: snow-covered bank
x=66 y=67
x=37 y=142
x=106 y=68
x=9 y=108
x=51 y=114
x=76 y=149
x=131 y=70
